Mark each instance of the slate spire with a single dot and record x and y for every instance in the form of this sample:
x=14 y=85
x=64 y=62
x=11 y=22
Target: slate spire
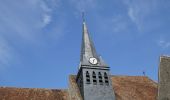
x=88 y=49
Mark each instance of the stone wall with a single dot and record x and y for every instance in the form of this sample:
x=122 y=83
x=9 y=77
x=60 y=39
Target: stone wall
x=164 y=78
x=74 y=92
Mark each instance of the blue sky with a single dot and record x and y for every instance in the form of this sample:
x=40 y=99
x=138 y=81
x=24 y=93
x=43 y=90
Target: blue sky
x=40 y=40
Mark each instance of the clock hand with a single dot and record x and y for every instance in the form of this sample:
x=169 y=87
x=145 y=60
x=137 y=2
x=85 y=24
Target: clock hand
x=93 y=60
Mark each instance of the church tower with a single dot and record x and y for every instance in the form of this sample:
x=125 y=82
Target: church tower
x=93 y=77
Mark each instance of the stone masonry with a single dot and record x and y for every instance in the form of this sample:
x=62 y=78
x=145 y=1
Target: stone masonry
x=164 y=79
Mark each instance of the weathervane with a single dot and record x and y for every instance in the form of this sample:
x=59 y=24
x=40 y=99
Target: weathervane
x=144 y=73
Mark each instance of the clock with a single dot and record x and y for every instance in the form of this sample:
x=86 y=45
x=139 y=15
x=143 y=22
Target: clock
x=93 y=61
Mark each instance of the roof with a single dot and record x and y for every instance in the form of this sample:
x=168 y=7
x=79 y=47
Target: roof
x=134 y=88
x=126 y=88
x=12 y=93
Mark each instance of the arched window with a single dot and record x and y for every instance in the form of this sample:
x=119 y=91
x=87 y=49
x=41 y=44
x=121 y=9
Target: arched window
x=106 y=78
x=100 y=78
x=94 y=78
x=87 y=77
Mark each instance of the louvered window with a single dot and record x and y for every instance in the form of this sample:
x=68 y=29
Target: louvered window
x=87 y=77
x=100 y=78
x=94 y=78
x=106 y=78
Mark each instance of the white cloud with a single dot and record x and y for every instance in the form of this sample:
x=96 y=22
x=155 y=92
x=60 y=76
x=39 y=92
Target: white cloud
x=138 y=11
x=5 y=54
x=26 y=18
x=44 y=6
x=132 y=15
x=46 y=19
x=118 y=24
x=22 y=20
x=112 y=25
x=164 y=44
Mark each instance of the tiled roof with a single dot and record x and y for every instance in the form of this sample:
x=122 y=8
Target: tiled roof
x=134 y=88
x=126 y=88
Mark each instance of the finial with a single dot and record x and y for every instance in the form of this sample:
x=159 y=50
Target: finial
x=83 y=16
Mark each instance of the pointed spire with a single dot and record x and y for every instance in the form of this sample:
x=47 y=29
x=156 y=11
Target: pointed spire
x=88 y=50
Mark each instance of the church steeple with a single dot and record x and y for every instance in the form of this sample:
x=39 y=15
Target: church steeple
x=93 y=77
x=89 y=55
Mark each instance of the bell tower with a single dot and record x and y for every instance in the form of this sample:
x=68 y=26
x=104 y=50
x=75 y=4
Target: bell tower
x=93 y=77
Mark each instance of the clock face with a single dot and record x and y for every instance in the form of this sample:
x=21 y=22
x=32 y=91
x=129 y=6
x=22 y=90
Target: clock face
x=93 y=60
